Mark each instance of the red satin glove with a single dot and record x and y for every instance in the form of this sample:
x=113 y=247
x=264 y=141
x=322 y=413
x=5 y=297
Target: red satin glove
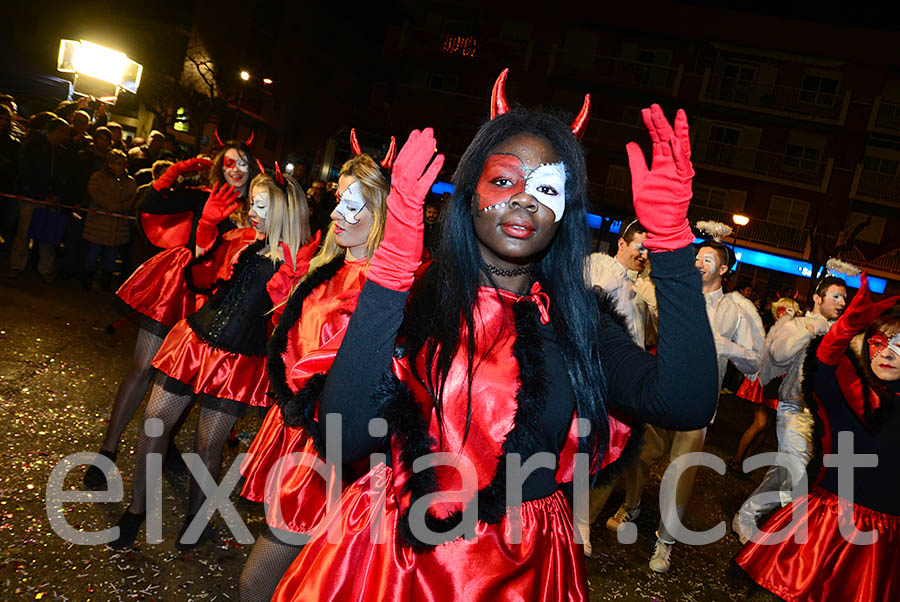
x=395 y=261
x=221 y=203
x=861 y=311
x=168 y=178
x=663 y=193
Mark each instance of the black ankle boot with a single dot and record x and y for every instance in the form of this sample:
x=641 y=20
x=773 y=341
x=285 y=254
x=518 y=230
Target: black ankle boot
x=94 y=478
x=185 y=546
x=129 y=524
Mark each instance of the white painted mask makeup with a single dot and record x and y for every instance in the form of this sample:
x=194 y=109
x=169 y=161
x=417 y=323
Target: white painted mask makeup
x=235 y=168
x=547 y=184
x=351 y=203
x=259 y=209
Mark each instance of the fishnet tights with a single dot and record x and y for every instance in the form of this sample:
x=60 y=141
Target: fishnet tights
x=265 y=567
x=132 y=388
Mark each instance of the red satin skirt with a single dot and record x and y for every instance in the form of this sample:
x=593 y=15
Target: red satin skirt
x=827 y=567
x=546 y=566
x=157 y=289
x=294 y=493
x=751 y=390
x=212 y=371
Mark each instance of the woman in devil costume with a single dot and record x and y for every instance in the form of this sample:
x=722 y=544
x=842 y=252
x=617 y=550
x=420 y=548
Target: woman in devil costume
x=500 y=348
x=827 y=546
x=301 y=350
x=170 y=217
x=218 y=352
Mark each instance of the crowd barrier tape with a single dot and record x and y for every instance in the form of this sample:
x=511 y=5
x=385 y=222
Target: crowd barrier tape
x=73 y=207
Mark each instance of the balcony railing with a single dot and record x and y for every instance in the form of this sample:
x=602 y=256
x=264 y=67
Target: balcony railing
x=885 y=116
x=878 y=186
x=758 y=230
x=790 y=169
x=787 y=100
x=634 y=74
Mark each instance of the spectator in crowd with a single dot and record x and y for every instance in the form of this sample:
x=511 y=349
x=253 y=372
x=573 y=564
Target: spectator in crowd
x=81 y=121
x=143 y=156
x=43 y=175
x=432 y=231
x=9 y=152
x=89 y=160
x=65 y=109
x=115 y=129
x=8 y=101
x=319 y=212
x=110 y=189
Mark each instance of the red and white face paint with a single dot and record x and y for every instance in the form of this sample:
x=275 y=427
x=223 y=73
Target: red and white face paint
x=235 y=168
x=351 y=202
x=505 y=176
x=879 y=342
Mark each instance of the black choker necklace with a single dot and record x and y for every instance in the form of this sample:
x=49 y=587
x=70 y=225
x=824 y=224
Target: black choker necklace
x=519 y=271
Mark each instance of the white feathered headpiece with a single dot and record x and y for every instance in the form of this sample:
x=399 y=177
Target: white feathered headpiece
x=717 y=230
x=836 y=266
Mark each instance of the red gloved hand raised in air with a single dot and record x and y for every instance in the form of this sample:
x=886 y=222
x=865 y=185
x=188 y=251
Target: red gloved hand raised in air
x=167 y=180
x=395 y=261
x=861 y=311
x=662 y=194
x=221 y=203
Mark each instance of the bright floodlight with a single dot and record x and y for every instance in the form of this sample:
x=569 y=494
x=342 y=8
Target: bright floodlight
x=86 y=58
x=740 y=220
x=245 y=76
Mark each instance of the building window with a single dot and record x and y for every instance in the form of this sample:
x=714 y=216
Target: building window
x=721 y=199
x=182 y=121
x=883 y=165
x=819 y=89
x=788 y=212
x=742 y=72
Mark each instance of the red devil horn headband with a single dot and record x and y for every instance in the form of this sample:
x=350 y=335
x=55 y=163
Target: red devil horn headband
x=388 y=161
x=279 y=177
x=248 y=142
x=500 y=105
x=354 y=143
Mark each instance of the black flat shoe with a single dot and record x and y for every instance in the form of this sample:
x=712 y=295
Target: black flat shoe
x=129 y=524
x=185 y=546
x=94 y=478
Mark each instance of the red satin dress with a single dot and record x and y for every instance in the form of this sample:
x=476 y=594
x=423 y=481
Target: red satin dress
x=295 y=496
x=157 y=288
x=752 y=391
x=217 y=370
x=357 y=552
x=824 y=566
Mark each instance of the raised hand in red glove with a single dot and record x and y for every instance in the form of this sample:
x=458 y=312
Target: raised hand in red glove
x=221 y=203
x=861 y=311
x=662 y=194
x=395 y=261
x=168 y=178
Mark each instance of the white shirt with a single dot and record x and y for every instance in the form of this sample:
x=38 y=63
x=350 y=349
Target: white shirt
x=785 y=352
x=738 y=332
x=610 y=275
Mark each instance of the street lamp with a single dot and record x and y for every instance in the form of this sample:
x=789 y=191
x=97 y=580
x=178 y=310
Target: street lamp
x=267 y=81
x=740 y=220
x=245 y=76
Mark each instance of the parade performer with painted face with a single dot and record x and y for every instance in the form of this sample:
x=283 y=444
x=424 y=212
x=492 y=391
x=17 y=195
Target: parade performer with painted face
x=841 y=541
x=739 y=338
x=303 y=345
x=783 y=357
x=218 y=352
x=171 y=216
x=497 y=351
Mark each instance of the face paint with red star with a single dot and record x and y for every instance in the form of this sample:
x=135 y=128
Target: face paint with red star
x=505 y=176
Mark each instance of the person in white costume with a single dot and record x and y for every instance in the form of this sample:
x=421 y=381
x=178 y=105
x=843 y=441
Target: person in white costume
x=626 y=278
x=783 y=355
x=739 y=337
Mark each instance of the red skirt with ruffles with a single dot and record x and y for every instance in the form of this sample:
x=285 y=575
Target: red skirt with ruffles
x=827 y=567
x=294 y=493
x=751 y=390
x=158 y=290
x=546 y=566
x=212 y=371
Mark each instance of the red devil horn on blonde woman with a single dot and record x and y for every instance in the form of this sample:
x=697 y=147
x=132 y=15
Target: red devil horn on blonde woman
x=262 y=168
x=388 y=161
x=354 y=143
x=279 y=177
x=250 y=139
x=579 y=124
x=499 y=104
x=219 y=140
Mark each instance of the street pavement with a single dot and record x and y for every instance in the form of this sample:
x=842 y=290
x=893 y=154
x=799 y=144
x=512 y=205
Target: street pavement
x=59 y=370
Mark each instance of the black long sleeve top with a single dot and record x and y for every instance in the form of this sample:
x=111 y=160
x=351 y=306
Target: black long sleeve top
x=174 y=200
x=677 y=389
